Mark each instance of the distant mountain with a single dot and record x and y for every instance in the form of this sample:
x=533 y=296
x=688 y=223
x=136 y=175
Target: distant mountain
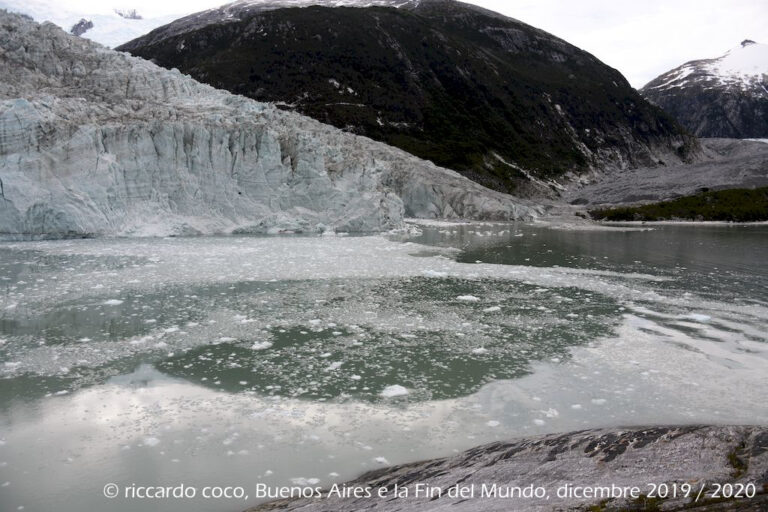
x=110 y=27
x=504 y=103
x=722 y=97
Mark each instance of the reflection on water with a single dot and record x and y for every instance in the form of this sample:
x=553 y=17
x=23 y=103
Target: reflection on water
x=238 y=360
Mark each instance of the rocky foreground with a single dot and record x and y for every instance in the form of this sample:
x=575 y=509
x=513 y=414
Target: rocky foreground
x=96 y=142
x=670 y=468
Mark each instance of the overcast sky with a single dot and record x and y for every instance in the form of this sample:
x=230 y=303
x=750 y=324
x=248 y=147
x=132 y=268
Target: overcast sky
x=640 y=38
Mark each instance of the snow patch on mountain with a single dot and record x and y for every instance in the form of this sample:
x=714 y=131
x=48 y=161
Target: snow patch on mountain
x=111 y=27
x=744 y=67
x=232 y=11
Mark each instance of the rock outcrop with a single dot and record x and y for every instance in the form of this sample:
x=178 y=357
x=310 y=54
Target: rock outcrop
x=81 y=27
x=505 y=104
x=96 y=142
x=669 y=465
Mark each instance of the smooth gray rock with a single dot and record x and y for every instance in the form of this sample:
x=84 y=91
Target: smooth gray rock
x=694 y=455
x=96 y=142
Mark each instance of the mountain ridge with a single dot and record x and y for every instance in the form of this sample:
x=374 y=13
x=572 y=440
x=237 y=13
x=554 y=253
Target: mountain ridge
x=726 y=96
x=488 y=96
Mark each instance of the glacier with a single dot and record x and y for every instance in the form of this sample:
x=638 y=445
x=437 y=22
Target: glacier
x=94 y=142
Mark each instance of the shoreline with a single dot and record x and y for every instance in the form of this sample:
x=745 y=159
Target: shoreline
x=681 y=223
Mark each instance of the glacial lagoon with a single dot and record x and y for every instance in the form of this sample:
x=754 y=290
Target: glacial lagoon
x=307 y=360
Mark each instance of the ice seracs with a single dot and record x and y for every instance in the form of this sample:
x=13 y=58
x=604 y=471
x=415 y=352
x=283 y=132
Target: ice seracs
x=95 y=142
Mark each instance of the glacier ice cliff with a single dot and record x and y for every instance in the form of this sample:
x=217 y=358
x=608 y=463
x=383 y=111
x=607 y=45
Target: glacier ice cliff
x=96 y=142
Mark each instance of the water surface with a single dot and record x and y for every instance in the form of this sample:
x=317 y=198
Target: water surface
x=308 y=360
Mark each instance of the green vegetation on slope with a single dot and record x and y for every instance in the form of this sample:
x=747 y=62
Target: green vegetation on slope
x=734 y=205
x=461 y=87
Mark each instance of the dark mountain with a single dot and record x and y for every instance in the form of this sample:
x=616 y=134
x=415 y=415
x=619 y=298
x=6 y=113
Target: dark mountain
x=722 y=97
x=500 y=101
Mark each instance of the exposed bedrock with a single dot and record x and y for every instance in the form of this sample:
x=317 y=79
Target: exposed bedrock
x=642 y=457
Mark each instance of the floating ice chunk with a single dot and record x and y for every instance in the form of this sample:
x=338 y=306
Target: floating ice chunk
x=151 y=441
x=334 y=366
x=382 y=460
x=599 y=401
x=141 y=340
x=468 y=298
x=394 y=391
x=11 y=365
x=576 y=406
x=480 y=350
x=226 y=339
x=551 y=413
x=434 y=273
x=539 y=422
x=696 y=317
x=493 y=423
x=113 y=302
x=355 y=377
x=315 y=321
x=261 y=345
x=171 y=329
x=492 y=309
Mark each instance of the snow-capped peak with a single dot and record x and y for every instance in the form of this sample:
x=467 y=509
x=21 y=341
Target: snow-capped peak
x=748 y=59
x=744 y=66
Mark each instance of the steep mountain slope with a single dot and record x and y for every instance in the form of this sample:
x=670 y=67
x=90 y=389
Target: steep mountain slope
x=722 y=97
x=107 y=26
x=95 y=142
x=503 y=103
